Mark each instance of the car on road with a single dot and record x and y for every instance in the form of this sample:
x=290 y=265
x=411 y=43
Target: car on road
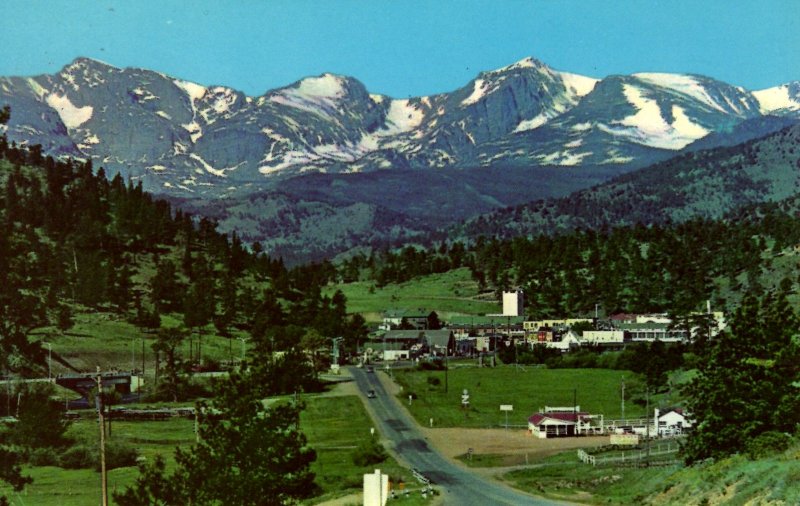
x=370 y=368
x=371 y=394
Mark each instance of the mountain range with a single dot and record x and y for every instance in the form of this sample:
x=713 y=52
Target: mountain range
x=323 y=165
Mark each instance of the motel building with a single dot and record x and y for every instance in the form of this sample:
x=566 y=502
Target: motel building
x=563 y=422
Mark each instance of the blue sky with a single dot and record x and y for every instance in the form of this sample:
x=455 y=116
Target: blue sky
x=405 y=47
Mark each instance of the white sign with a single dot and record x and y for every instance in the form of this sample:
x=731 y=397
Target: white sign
x=506 y=407
x=376 y=489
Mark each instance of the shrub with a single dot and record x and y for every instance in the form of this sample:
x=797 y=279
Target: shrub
x=768 y=443
x=369 y=452
x=86 y=456
x=434 y=381
x=431 y=365
x=77 y=457
x=118 y=455
x=43 y=457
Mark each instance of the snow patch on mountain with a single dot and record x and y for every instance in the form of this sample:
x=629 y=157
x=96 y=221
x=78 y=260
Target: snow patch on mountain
x=71 y=115
x=648 y=127
x=206 y=165
x=402 y=117
x=36 y=88
x=684 y=127
x=524 y=63
x=775 y=99
x=480 y=88
x=533 y=123
x=564 y=158
x=313 y=94
x=683 y=84
x=578 y=84
x=193 y=90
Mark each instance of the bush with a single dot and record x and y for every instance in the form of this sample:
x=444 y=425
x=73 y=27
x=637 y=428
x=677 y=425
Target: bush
x=369 y=452
x=434 y=381
x=77 y=457
x=86 y=456
x=431 y=365
x=43 y=457
x=118 y=455
x=768 y=443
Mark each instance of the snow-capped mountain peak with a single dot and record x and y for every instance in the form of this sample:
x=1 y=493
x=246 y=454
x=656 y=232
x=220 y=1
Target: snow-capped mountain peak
x=783 y=98
x=176 y=134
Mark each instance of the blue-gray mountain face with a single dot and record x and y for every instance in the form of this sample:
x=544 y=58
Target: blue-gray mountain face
x=516 y=134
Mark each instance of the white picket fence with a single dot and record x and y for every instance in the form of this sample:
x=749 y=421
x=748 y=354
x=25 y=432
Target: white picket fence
x=627 y=457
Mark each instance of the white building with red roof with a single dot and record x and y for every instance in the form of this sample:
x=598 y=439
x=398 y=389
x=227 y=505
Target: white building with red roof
x=563 y=422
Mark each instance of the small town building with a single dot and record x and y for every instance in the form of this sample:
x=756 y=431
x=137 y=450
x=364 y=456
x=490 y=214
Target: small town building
x=567 y=341
x=649 y=332
x=513 y=303
x=562 y=422
x=673 y=422
x=439 y=342
x=534 y=325
x=472 y=326
x=601 y=337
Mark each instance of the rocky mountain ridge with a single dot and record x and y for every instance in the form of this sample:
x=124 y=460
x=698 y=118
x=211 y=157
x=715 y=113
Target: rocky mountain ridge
x=186 y=139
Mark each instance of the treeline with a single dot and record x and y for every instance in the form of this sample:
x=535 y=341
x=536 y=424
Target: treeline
x=625 y=269
x=73 y=240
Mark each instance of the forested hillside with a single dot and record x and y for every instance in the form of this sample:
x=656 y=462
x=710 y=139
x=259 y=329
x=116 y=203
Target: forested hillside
x=74 y=241
x=630 y=269
x=705 y=184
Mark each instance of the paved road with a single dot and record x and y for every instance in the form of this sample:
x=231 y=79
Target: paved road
x=462 y=486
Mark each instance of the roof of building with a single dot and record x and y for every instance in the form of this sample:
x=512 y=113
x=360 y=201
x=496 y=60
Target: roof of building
x=485 y=320
x=403 y=335
x=565 y=417
x=437 y=337
x=645 y=326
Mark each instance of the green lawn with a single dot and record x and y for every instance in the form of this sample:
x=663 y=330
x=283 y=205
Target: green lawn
x=564 y=477
x=452 y=292
x=528 y=390
x=333 y=426
x=109 y=341
x=733 y=480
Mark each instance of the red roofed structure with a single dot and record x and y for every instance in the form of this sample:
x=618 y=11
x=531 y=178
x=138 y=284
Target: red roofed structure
x=562 y=422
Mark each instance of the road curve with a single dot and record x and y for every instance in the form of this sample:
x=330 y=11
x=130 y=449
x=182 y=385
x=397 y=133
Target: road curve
x=462 y=487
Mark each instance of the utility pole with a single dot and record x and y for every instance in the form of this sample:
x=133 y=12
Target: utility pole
x=49 y=359
x=446 y=347
x=623 y=398
x=99 y=403
x=647 y=421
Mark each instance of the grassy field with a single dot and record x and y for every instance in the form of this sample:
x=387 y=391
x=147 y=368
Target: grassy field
x=54 y=486
x=453 y=292
x=107 y=340
x=528 y=390
x=564 y=477
x=734 y=480
x=333 y=425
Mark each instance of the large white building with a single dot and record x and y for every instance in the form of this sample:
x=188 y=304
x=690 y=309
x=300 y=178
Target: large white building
x=513 y=303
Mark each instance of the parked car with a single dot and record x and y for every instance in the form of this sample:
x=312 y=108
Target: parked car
x=370 y=368
x=371 y=394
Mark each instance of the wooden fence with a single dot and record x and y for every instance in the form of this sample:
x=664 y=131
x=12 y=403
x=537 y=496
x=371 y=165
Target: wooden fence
x=631 y=458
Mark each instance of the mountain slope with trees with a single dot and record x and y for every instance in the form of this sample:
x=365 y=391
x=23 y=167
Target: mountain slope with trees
x=705 y=184
x=74 y=242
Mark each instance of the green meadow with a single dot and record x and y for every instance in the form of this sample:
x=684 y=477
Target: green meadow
x=334 y=426
x=453 y=292
x=527 y=389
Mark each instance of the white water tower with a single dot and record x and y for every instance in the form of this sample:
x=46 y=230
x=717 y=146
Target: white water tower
x=513 y=303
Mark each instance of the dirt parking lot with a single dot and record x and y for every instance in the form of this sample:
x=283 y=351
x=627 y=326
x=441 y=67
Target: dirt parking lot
x=516 y=443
